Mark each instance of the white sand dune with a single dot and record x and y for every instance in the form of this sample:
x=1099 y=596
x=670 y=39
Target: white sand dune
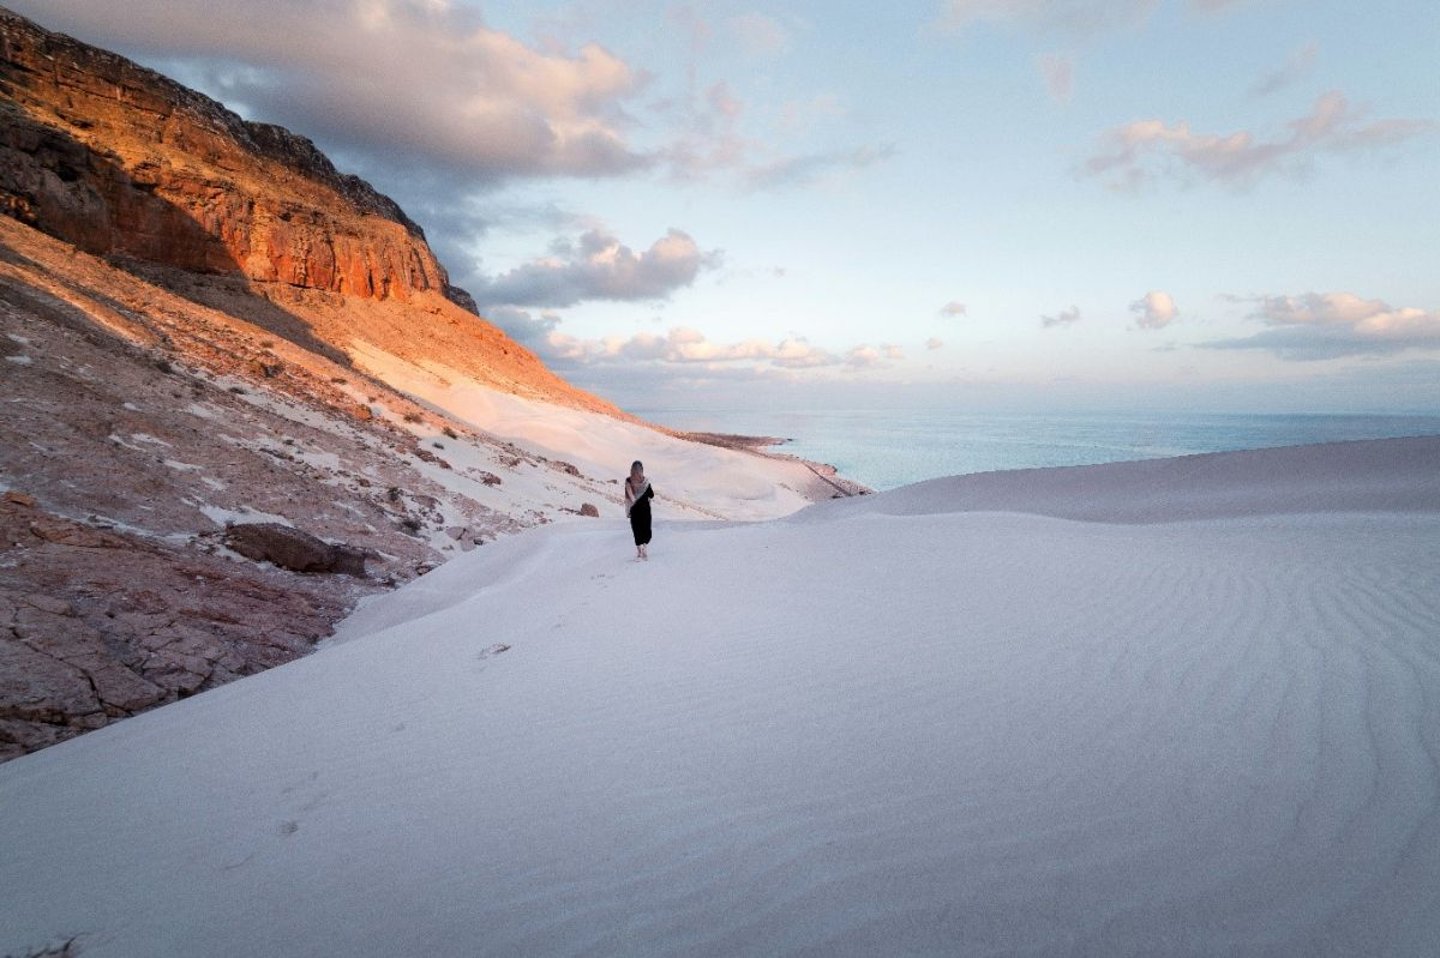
x=944 y=720
x=694 y=480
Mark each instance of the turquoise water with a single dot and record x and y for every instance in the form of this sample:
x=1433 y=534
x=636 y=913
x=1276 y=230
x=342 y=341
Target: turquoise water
x=885 y=449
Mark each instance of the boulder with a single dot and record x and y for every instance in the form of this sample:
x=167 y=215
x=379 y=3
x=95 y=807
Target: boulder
x=588 y=509
x=293 y=549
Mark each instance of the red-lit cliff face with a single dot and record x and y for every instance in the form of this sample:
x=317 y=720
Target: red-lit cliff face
x=116 y=158
x=247 y=218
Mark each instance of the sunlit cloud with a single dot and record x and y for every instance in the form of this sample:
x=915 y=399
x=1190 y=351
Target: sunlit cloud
x=1155 y=310
x=683 y=345
x=1145 y=150
x=953 y=309
x=599 y=267
x=1066 y=317
x=405 y=82
x=1330 y=325
x=933 y=344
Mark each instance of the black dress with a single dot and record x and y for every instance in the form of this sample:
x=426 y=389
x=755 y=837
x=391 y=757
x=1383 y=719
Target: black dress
x=640 y=517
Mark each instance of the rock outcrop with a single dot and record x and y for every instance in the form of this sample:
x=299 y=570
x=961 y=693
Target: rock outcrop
x=96 y=624
x=295 y=549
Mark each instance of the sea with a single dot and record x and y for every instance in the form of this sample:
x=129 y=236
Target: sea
x=889 y=448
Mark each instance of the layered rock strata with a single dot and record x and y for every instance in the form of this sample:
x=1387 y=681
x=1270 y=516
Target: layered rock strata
x=116 y=158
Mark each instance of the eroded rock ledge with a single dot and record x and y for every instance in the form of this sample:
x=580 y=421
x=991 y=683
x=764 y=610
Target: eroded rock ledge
x=97 y=625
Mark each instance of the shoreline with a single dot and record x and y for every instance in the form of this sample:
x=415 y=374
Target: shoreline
x=888 y=449
x=762 y=446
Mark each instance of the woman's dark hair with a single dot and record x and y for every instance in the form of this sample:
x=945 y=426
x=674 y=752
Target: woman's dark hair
x=637 y=464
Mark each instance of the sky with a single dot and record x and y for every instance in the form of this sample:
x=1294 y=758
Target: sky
x=1222 y=205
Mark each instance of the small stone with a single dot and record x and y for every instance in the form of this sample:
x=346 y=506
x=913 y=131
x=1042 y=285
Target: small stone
x=588 y=509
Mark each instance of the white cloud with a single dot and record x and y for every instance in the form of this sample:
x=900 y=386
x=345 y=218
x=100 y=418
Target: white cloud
x=933 y=344
x=1155 y=310
x=1329 y=325
x=862 y=357
x=1066 y=317
x=686 y=347
x=600 y=267
x=954 y=308
x=683 y=345
x=1145 y=149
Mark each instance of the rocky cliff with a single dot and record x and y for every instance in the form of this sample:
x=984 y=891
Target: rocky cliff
x=115 y=158
x=197 y=477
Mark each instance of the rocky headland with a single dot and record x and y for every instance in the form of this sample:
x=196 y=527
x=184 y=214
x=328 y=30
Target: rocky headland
x=197 y=478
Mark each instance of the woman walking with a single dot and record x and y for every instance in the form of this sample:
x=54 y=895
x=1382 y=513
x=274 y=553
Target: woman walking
x=637 y=506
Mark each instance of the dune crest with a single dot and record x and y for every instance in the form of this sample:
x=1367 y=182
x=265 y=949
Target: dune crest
x=1378 y=475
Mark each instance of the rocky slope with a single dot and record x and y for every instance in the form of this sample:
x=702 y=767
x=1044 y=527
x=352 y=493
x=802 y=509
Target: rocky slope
x=136 y=425
x=198 y=476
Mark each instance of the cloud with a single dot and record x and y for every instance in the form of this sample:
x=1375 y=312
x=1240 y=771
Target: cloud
x=1059 y=73
x=1066 y=317
x=933 y=344
x=405 y=82
x=683 y=345
x=1295 y=68
x=687 y=347
x=862 y=357
x=1155 y=310
x=1076 y=17
x=711 y=144
x=600 y=267
x=1330 y=325
x=1145 y=149
x=723 y=102
x=954 y=308
x=522 y=325
x=806 y=169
